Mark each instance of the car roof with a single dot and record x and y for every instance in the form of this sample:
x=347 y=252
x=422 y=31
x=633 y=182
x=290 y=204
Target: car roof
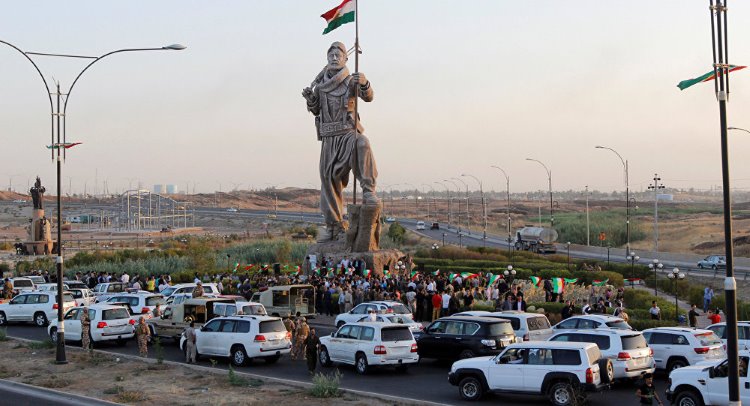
x=518 y=313
x=474 y=318
x=678 y=330
x=601 y=332
x=376 y=324
x=724 y=323
x=554 y=344
x=247 y=316
x=102 y=306
x=606 y=317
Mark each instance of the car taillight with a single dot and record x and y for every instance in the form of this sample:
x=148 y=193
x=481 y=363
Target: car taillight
x=260 y=338
x=132 y=322
x=389 y=310
x=145 y=310
x=701 y=350
x=414 y=347
x=589 y=375
x=101 y=324
x=623 y=356
x=288 y=335
x=526 y=337
x=55 y=306
x=379 y=350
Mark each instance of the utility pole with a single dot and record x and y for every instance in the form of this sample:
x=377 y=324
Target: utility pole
x=656 y=187
x=588 y=229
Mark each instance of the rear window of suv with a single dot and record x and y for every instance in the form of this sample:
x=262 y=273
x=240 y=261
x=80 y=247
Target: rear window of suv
x=537 y=323
x=396 y=334
x=566 y=357
x=154 y=300
x=115 y=314
x=271 y=326
x=708 y=339
x=633 y=342
x=500 y=329
x=23 y=283
x=619 y=324
x=399 y=309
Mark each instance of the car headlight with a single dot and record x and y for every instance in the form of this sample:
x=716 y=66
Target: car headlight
x=489 y=343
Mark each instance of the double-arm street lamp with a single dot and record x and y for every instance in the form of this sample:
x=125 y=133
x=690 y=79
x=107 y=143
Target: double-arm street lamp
x=633 y=259
x=655 y=265
x=549 y=178
x=458 y=190
x=468 y=216
x=507 y=195
x=448 y=196
x=627 y=195
x=674 y=276
x=484 y=207
x=58 y=147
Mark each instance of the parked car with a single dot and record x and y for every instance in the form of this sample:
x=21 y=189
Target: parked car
x=108 y=323
x=416 y=328
x=677 y=347
x=287 y=300
x=102 y=291
x=390 y=219
x=83 y=297
x=239 y=308
x=75 y=285
x=458 y=337
x=37 y=279
x=140 y=302
x=706 y=384
x=39 y=307
x=592 y=321
x=242 y=339
x=232 y=210
x=380 y=307
x=420 y=225
x=528 y=326
x=21 y=284
x=178 y=298
x=367 y=345
x=630 y=355
x=176 y=317
x=713 y=262
x=563 y=372
x=743 y=333
x=208 y=288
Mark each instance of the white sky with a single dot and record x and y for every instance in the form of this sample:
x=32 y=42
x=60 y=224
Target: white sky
x=459 y=86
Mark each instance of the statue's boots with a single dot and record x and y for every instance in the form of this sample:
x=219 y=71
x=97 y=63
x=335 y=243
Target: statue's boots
x=370 y=198
x=328 y=234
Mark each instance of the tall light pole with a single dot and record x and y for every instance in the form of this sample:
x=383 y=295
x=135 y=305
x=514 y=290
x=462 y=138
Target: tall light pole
x=507 y=195
x=468 y=216
x=458 y=190
x=448 y=195
x=627 y=195
x=428 y=202
x=58 y=147
x=633 y=259
x=656 y=187
x=588 y=228
x=656 y=266
x=416 y=198
x=484 y=207
x=549 y=178
x=674 y=276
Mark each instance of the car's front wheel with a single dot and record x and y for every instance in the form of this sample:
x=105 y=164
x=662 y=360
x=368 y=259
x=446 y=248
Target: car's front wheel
x=40 y=319
x=239 y=356
x=324 y=357
x=688 y=398
x=562 y=394
x=676 y=364
x=470 y=388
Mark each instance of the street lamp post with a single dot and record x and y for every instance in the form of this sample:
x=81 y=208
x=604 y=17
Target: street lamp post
x=627 y=195
x=468 y=216
x=656 y=187
x=633 y=259
x=507 y=195
x=458 y=190
x=568 y=245
x=656 y=265
x=510 y=273
x=674 y=276
x=429 y=218
x=484 y=207
x=448 y=196
x=58 y=144
x=588 y=228
x=549 y=178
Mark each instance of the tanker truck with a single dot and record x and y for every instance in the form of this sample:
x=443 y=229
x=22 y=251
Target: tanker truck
x=536 y=239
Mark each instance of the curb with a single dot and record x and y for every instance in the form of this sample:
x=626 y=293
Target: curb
x=55 y=397
x=200 y=368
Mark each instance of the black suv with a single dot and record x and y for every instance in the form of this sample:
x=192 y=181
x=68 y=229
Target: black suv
x=459 y=337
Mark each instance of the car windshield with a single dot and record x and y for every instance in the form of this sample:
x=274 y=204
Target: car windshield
x=168 y=291
x=67 y=297
x=23 y=283
x=707 y=339
x=154 y=300
x=499 y=329
x=634 y=342
x=115 y=314
x=271 y=326
x=256 y=310
x=399 y=309
x=619 y=325
x=396 y=334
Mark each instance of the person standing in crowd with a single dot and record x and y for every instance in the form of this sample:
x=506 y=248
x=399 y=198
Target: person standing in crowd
x=585 y=308
x=708 y=296
x=190 y=350
x=301 y=333
x=7 y=289
x=437 y=304
x=85 y=329
x=520 y=303
x=142 y=334
x=714 y=316
x=567 y=310
x=445 y=304
x=348 y=299
x=654 y=311
x=198 y=291
x=647 y=391
x=312 y=342
x=693 y=316
x=157 y=311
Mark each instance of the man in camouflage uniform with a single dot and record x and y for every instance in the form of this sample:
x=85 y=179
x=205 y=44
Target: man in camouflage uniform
x=142 y=334
x=303 y=330
x=85 y=329
x=198 y=291
x=7 y=289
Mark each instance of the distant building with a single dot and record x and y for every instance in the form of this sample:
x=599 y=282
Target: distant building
x=161 y=189
x=171 y=189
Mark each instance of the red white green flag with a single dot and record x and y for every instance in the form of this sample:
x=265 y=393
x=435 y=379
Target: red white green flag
x=571 y=280
x=368 y=273
x=468 y=275
x=387 y=273
x=344 y=13
x=598 y=282
x=494 y=278
x=451 y=277
x=414 y=275
x=537 y=281
x=236 y=266
x=249 y=267
x=707 y=77
x=558 y=284
x=436 y=273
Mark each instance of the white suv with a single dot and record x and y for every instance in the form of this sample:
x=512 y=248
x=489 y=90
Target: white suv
x=362 y=309
x=564 y=372
x=39 y=307
x=140 y=302
x=370 y=344
x=108 y=323
x=208 y=288
x=706 y=384
x=242 y=339
x=743 y=333
x=677 y=347
x=627 y=350
x=528 y=326
x=592 y=321
x=21 y=285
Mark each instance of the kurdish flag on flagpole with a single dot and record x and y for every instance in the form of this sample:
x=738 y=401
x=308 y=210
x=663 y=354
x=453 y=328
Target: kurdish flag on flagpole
x=557 y=285
x=493 y=279
x=344 y=13
x=368 y=273
x=597 y=282
x=436 y=273
x=236 y=267
x=705 y=77
x=536 y=280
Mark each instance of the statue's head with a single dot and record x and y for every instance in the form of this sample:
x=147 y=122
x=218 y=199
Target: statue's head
x=337 y=56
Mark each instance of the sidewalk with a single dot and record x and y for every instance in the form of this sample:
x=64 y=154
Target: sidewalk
x=703 y=321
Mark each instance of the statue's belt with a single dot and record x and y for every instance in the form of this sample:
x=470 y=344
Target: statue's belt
x=335 y=129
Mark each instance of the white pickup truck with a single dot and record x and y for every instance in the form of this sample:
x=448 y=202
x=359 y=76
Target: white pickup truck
x=706 y=383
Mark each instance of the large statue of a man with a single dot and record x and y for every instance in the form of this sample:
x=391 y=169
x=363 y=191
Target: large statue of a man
x=331 y=98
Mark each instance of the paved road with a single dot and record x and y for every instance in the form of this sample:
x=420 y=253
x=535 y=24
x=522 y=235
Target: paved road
x=427 y=381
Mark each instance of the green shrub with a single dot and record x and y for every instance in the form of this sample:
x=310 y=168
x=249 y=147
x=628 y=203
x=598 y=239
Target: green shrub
x=396 y=232
x=326 y=386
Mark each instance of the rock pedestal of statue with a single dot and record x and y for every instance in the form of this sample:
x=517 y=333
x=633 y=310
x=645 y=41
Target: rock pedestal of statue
x=362 y=240
x=40 y=234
